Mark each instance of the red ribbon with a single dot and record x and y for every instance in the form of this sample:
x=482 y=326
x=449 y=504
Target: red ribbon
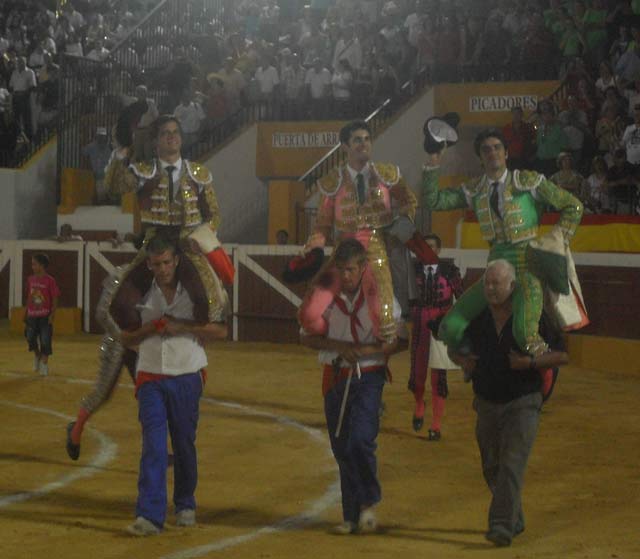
x=353 y=315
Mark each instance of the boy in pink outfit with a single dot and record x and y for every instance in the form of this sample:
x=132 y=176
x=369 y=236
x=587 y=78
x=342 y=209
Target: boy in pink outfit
x=42 y=302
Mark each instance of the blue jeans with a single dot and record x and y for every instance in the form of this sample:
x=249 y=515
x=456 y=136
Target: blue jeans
x=170 y=404
x=39 y=332
x=355 y=448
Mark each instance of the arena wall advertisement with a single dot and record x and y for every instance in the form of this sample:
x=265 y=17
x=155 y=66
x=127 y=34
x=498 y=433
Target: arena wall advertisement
x=490 y=104
x=287 y=150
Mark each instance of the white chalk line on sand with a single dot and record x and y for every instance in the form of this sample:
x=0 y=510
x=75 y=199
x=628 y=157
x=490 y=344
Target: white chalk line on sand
x=329 y=499
x=106 y=453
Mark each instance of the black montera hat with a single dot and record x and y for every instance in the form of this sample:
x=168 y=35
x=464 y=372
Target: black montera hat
x=440 y=132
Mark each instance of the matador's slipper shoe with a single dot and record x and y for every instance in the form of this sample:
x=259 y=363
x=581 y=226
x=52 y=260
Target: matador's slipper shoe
x=73 y=450
x=434 y=435
x=417 y=423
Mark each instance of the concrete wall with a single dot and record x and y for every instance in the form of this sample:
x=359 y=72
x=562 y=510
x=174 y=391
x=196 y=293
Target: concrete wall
x=242 y=197
x=28 y=207
x=401 y=142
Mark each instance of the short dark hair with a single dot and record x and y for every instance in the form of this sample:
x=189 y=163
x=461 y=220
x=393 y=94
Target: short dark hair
x=348 y=250
x=435 y=237
x=42 y=259
x=484 y=135
x=160 y=244
x=159 y=122
x=350 y=128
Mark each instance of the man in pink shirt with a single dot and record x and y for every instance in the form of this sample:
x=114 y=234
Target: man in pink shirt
x=42 y=302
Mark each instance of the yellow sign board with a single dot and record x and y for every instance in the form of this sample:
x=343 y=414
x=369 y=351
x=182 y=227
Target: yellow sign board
x=290 y=149
x=490 y=104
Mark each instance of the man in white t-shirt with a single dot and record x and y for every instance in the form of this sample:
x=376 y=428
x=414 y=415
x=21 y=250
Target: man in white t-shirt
x=318 y=82
x=268 y=80
x=190 y=115
x=354 y=362
x=169 y=379
x=631 y=138
x=21 y=84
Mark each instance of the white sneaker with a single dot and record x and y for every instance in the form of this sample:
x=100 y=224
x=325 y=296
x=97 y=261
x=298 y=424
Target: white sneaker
x=367 y=523
x=44 y=369
x=143 y=527
x=186 y=517
x=344 y=529
x=36 y=363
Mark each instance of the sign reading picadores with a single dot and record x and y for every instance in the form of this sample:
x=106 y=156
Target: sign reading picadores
x=499 y=103
x=304 y=139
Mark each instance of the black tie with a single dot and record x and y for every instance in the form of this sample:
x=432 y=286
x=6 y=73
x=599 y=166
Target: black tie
x=494 y=198
x=170 y=169
x=429 y=287
x=360 y=186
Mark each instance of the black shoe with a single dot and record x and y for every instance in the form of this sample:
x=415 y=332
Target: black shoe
x=499 y=539
x=434 y=435
x=417 y=423
x=73 y=450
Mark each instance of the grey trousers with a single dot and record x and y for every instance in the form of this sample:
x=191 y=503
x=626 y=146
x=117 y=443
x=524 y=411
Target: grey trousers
x=505 y=435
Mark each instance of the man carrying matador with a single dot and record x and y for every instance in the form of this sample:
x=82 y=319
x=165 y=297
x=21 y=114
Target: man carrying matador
x=176 y=199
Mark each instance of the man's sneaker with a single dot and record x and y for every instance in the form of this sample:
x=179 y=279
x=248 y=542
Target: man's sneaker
x=498 y=538
x=36 y=363
x=367 y=524
x=344 y=529
x=186 y=517
x=44 y=369
x=73 y=450
x=143 y=527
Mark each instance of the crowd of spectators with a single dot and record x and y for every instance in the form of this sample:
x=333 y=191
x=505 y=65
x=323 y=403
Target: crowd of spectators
x=587 y=140
x=337 y=59
x=34 y=35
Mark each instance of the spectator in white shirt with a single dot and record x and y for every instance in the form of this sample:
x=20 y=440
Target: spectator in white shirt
x=99 y=52
x=318 y=81
x=341 y=83
x=413 y=23
x=74 y=46
x=21 y=84
x=190 y=115
x=268 y=80
x=349 y=47
x=73 y=16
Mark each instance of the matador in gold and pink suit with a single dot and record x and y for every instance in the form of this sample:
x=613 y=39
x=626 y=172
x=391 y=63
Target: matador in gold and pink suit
x=178 y=202
x=343 y=213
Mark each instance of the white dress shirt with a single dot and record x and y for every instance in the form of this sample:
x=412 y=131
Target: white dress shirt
x=176 y=174
x=432 y=267
x=339 y=328
x=169 y=355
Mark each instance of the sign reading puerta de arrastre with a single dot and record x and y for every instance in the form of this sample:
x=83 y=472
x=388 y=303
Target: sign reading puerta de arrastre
x=499 y=103
x=322 y=139
x=290 y=149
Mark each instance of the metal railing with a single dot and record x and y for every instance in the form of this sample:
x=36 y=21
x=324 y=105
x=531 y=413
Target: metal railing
x=91 y=92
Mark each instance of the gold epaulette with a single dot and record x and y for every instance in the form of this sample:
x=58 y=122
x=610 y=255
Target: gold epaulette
x=472 y=186
x=527 y=180
x=143 y=169
x=330 y=183
x=199 y=172
x=388 y=173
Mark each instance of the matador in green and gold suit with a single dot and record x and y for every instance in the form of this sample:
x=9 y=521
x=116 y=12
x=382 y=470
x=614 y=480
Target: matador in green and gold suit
x=509 y=221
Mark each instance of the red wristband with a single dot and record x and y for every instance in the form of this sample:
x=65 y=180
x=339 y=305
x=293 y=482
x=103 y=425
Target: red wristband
x=160 y=324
